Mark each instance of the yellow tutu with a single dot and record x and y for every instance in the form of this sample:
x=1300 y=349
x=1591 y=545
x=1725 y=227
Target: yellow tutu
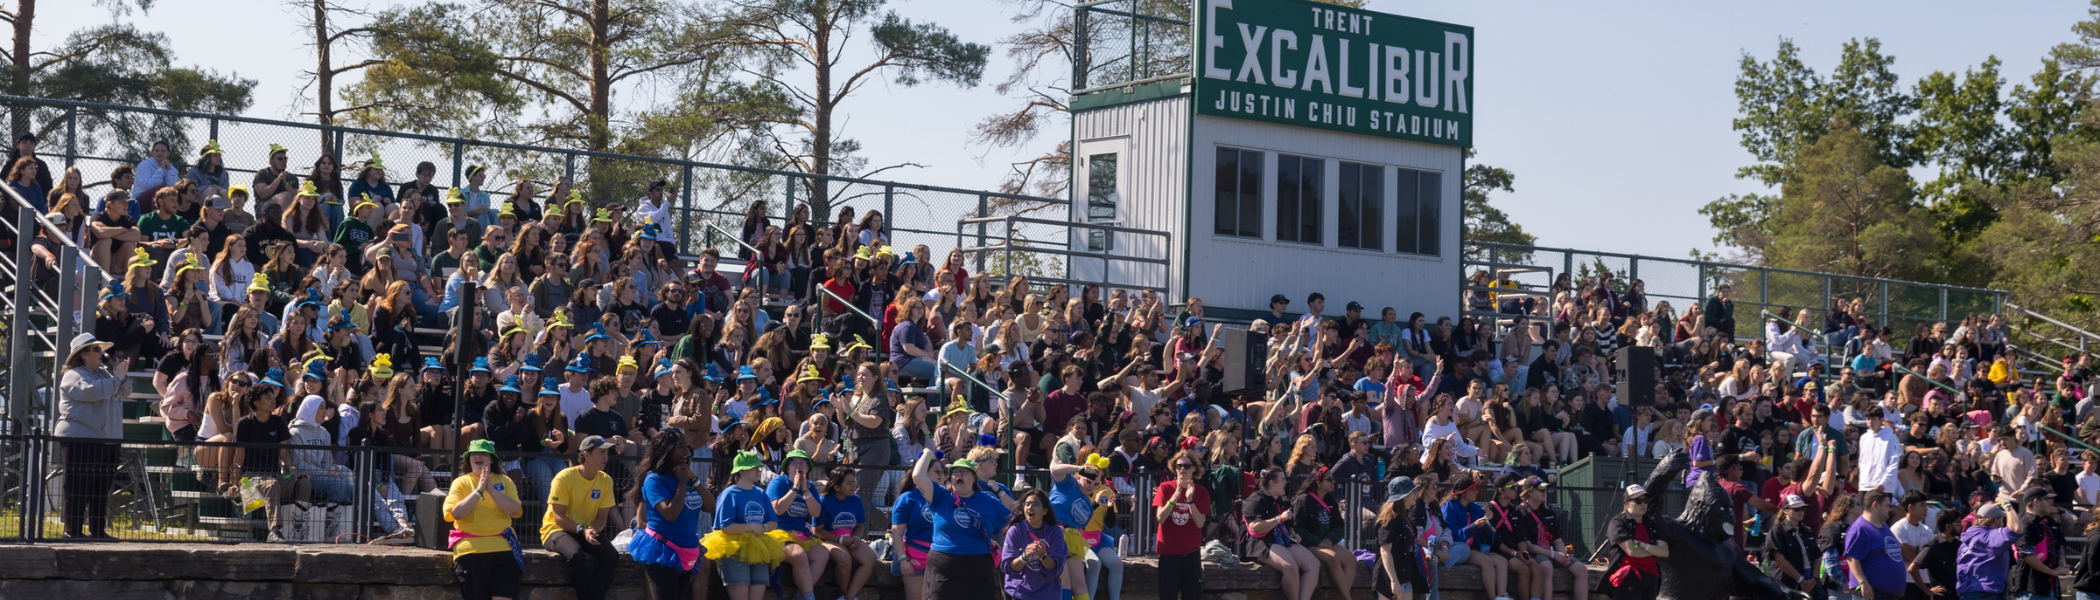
x=1075 y=544
x=806 y=541
x=752 y=548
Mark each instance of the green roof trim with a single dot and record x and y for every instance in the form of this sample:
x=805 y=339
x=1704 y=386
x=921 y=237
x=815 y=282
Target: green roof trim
x=1127 y=95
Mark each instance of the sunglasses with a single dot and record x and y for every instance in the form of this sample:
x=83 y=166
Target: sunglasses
x=1184 y=466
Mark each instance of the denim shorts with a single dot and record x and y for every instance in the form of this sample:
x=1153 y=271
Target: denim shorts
x=1456 y=555
x=737 y=572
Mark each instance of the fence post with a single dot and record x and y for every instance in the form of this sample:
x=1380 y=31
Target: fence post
x=68 y=296
x=569 y=167
x=889 y=213
x=685 y=205
x=214 y=128
x=1943 y=304
x=983 y=209
x=459 y=161
x=19 y=384
x=72 y=136
x=338 y=136
x=1884 y=304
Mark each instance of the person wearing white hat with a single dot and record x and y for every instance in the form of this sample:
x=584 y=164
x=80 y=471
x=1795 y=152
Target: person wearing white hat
x=1634 y=573
x=90 y=408
x=1791 y=545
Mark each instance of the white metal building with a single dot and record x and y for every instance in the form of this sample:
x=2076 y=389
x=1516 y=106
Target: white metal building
x=1347 y=185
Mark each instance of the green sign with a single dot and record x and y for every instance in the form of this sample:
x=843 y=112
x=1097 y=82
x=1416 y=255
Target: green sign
x=1337 y=68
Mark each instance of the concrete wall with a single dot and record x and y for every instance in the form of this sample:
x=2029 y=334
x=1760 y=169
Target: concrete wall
x=351 y=572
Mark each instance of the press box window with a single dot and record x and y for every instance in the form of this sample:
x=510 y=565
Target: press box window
x=1362 y=195
x=1298 y=198
x=1418 y=214
x=1238 y=201
x=1101 y=200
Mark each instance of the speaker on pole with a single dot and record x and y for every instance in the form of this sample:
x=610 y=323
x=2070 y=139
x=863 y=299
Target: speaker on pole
x=1244 y=351
x=1635 y=369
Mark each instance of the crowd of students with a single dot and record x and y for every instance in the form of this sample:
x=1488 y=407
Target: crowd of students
x=631 y=392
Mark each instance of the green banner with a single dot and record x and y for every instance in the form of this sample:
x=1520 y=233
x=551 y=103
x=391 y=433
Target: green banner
x=1337 y=68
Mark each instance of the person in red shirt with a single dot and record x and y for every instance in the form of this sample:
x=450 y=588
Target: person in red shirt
x=1745 y=504
x=1063 y=403
x=1182 y=506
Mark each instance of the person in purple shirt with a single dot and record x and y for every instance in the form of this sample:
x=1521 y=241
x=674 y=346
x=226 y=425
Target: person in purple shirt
x=1033 y=555
x=1985 y=556
x=910 y=351
x=1872 y=553
x=1700 y=450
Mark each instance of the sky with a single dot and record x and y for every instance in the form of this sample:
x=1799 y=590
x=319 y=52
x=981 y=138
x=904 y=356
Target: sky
x=1614 y=116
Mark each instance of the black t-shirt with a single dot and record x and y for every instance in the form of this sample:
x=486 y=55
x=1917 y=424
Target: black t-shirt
x=1938 y=561
x=1797 y=545
x=1315 y=521
x=604 y=423
x=173 y=363
x=631 y=314
x=1261 y=507
x=260 y=233
x=1402 y=536
x=272 y=430
x=671 y=320
x=1511 y=528
x=1737 y=441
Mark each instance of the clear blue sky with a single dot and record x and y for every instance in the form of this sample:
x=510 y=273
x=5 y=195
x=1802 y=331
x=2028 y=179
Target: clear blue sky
x=1614 y=116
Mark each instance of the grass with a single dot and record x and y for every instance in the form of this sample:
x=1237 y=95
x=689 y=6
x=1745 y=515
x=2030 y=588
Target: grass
x=125 y=526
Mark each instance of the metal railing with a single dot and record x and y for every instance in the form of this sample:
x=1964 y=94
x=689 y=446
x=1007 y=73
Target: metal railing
x=1901 y=305
x=1110 y=253
x=100 y=137
x=1123 y=43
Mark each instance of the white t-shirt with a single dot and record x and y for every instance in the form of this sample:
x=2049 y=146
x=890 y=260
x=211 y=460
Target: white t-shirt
x=1914 y=534
x=2089 y=488
x=574 y=402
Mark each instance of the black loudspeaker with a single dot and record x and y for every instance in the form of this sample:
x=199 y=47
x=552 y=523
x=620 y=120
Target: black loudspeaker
x=1635 y=370
x=1244 y=351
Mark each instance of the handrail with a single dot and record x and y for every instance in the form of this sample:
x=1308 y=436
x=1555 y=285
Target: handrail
x=1950 y=389
x=2047 y=319
x=51 y=229
x=10 y=99
x=1530 y=248
x=849 y=306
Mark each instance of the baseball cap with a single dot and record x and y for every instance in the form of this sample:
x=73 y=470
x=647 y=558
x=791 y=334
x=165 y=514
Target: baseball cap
x=1354 y=305
x=1636 y=491
x=593 y=443
x=1795 y=501
x=1279 y=298
x=2033 y=493
x=1989 y=510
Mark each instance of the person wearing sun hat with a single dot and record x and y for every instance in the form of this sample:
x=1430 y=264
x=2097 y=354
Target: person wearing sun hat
x=90 y=407
x=131 y=332
x=1397 y=572
x=960 y=565
x=481 y=504
x=477 y=197
x=742 y=544
x=797 y=502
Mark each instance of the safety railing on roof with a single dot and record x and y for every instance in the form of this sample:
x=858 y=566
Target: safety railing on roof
x=100 y=137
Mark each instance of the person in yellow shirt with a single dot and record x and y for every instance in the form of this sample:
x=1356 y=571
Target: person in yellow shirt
x=485 y=552
x=579 y=505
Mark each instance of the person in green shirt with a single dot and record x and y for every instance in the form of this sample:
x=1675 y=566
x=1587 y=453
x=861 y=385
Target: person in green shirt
x=493 y=245
x=456 y=217
x=162 y=226
x=354 y=232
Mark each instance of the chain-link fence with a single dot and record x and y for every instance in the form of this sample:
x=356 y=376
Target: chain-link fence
x=97 y=138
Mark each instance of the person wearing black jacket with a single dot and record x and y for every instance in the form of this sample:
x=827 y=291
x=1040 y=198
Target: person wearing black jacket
x=25 y=145
x=503 y=422
x=1633 y=572
x=1719 y=313
x=1791 y=545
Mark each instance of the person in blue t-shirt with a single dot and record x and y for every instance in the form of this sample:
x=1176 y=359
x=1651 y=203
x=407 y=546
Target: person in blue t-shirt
x=668 y=546
x=1872 y=553
x=960 y=565
x=742 y=508
x=911 y=520
x=843 y=523
x=1075 y=492
x=796 y=499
